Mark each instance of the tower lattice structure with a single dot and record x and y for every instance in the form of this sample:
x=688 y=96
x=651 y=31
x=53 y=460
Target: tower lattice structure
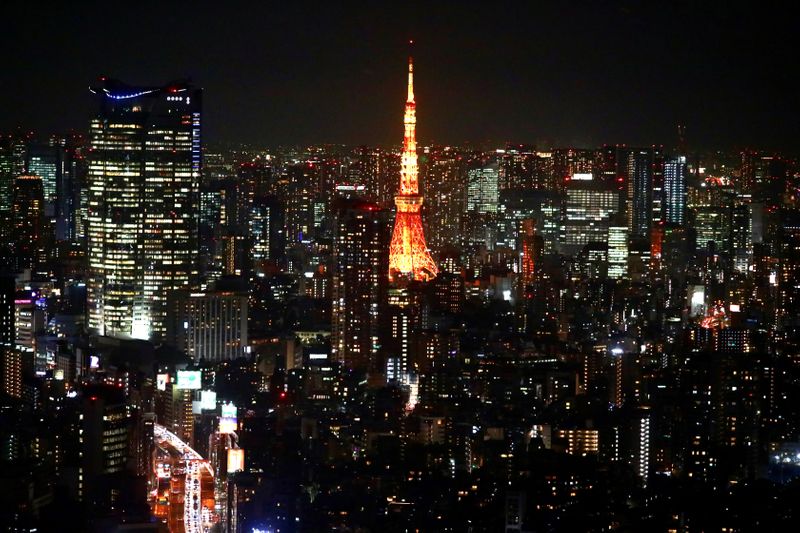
x=408 y=253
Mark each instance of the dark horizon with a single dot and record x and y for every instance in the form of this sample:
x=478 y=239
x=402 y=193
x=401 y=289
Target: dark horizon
x=580 y=75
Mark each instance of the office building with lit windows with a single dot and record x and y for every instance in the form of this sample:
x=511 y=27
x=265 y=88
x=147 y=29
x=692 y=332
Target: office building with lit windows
x=28 y=224
x=482 y=189
x=143 y=187
x=443 y=188
x=588 y=207
x=482 y=198
x=54 y=164
x=617 y=251
x=210 y=325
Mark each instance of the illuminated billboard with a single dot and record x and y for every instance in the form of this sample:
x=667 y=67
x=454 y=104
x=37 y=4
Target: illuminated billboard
x=227 y=420
x=161 y=381
x=235 y=460
x=189 y=379
x=208 y=400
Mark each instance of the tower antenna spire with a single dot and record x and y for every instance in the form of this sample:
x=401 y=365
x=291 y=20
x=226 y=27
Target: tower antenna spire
x=410 y=71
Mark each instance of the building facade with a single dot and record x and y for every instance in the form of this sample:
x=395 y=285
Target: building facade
x=144 y=173
x=209 y=325
x=361 y=252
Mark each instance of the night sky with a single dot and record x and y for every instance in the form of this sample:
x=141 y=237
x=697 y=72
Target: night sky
x=580 y=73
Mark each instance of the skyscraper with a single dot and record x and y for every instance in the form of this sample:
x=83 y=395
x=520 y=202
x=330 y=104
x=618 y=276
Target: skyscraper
x=144 y=173
x=482 y=189
x=409 y=256
x=266 y=225
x=640 y=191
x=588 y=208
x=742 y=237
x=444 y=192
x=47 y=162
x=617 y=250
x=675 y=190
x=529 y=249
x=7 y=292
x=300 y=195
x=12 y=164
x=28 y=225
x=359 y=282
x=479 y=226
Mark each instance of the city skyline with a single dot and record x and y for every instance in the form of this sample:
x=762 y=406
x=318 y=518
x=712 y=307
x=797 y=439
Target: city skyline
x=577 y=75
x=236 y=304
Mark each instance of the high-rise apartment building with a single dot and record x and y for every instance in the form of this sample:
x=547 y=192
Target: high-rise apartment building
x=640 y=176
x=675 y=190
x=8 y=290
x=10 y=359
x=12 y=164
x=266 y=228
x=361 y=253
x=144 y=173
x=300 y=195
x=742 y=237
x=444 y=191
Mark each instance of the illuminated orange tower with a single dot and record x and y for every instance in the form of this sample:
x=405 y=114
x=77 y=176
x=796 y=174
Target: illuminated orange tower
x=408 y=253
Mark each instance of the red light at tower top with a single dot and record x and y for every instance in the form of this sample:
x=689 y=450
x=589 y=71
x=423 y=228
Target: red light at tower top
x=408 y=253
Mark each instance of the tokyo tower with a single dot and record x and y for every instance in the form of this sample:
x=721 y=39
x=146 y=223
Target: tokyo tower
x=408 y=254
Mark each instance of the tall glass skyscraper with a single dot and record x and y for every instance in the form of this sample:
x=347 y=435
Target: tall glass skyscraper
x=143 y=188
